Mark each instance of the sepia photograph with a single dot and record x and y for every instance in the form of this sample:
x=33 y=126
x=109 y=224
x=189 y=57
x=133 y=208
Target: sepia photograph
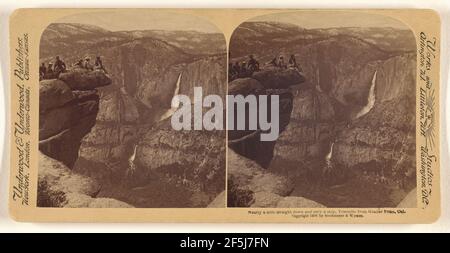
x=225 y=116
x=346 y=83
x=106 y=84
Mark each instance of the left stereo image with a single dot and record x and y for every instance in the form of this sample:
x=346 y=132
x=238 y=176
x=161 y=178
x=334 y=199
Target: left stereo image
x=107 y=81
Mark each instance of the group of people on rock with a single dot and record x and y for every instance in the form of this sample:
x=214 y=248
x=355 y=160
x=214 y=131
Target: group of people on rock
x=243 y=69
x=246 y=69
x=86 y=64
x=280 y=62
x=52 y=70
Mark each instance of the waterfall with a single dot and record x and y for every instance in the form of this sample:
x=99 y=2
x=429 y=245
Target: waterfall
x=132 y=166
x=329 y=155
x=173 y=109
x=318 y=88
x=370 y=98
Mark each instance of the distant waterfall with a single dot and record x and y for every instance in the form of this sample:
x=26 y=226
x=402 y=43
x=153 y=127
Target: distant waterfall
x=370 y=98
x=132 y=165
x=318 y=88
x=329 y=155
x=172 y=110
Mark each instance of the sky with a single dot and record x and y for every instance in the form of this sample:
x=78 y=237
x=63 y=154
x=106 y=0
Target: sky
x=127 y=20
x=326 y=19
x=147 y=19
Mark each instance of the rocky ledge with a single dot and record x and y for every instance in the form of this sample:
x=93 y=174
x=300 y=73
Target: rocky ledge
x=59 y=187
x=270 y=81
x=68 y=109
x=249 y=185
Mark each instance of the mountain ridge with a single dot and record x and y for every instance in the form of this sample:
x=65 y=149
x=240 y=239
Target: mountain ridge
x=381 y=37
x=61 y=35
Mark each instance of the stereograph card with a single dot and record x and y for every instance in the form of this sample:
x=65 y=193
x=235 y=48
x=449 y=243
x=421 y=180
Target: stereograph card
x=225 y=115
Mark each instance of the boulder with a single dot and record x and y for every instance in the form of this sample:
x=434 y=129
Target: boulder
x=278 y=79
x=81 y=79
x=53 y=93
x=244 y=86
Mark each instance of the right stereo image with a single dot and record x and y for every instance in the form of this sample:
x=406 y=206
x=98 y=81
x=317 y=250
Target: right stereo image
x=341 y=131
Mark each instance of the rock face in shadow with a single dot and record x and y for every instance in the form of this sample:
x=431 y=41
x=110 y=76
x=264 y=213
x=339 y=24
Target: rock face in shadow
x=67 y=113
x=249 y=185
x=310 y=130
x=269 y=81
